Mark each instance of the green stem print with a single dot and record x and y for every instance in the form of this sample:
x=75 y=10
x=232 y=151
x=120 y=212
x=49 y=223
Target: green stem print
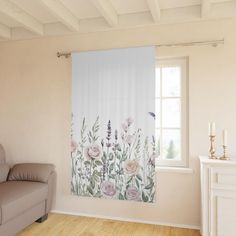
x=119 y=165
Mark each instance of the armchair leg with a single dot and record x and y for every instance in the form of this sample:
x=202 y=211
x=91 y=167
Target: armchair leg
x=42 y=219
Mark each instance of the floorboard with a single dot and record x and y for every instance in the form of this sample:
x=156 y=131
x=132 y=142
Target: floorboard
x=68 y=225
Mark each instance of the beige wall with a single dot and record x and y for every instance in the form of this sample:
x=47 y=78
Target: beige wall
x=35 y=110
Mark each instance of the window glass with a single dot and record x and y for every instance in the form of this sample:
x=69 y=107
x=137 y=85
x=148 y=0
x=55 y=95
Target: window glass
x=170 y=102
x=171 y=144
x=171 y=81
x=171 y=113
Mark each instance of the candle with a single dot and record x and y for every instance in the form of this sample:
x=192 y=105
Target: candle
x=225 y=138
x=209 y=129
x=212 y=129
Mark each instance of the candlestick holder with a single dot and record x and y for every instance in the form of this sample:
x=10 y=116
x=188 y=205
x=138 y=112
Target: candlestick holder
x=211 y=148
x=224 y=157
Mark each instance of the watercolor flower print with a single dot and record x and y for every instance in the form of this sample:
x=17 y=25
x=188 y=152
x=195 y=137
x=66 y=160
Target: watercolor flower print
x=118 y=165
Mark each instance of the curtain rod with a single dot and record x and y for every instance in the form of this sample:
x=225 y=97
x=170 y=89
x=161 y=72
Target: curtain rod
x=213 y=43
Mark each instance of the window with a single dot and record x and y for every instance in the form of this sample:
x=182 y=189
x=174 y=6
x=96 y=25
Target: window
x=171 y=111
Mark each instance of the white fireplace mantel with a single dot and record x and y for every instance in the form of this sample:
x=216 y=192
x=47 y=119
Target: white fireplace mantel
x=218 y=197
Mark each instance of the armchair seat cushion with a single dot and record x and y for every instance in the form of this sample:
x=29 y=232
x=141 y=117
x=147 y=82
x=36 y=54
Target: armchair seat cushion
x=19 y=196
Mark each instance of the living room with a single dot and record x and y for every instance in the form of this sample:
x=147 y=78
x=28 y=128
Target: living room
x=65 y=60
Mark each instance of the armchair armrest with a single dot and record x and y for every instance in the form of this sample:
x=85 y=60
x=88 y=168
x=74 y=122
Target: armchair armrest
x=36 y=172
x=4 y=170
x=51 y=191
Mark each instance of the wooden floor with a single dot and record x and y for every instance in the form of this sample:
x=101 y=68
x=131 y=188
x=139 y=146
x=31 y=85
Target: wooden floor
x=68 y=225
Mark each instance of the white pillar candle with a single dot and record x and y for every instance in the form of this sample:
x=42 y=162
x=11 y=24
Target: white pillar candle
x=212 y=129
x=209 y=128
x=225 y=137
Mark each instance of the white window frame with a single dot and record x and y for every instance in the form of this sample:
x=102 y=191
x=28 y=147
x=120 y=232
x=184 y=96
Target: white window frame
x=183 y=63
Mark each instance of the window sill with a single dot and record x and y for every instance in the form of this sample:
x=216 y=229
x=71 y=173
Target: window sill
x=181 y=170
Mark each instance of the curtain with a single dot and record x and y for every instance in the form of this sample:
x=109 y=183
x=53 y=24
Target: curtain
x=113 y=146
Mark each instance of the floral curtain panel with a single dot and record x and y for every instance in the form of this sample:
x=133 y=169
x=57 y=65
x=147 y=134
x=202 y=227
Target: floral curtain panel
x=113 y=145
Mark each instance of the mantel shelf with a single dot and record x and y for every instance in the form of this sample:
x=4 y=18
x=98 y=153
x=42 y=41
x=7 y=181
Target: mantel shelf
x=207 y=160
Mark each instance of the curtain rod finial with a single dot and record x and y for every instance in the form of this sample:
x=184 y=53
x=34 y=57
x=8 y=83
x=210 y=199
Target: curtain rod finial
x=66 y=55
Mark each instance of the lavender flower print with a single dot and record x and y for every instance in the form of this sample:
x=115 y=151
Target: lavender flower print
x=108 y=188
x=104 y=170
x=152 y=159
x=123 y=137
x=116 y=135
x=108 y=144
x=102 y=143
x=93 y=151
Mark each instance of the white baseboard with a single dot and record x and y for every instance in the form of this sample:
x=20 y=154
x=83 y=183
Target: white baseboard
x=127 y=219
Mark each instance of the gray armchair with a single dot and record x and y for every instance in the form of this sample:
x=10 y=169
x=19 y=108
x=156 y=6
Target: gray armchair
x=26 y=194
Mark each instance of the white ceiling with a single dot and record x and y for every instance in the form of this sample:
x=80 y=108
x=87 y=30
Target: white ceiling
x=21 y=19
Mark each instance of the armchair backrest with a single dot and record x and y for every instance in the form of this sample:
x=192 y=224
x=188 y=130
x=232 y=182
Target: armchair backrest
x=2 y=155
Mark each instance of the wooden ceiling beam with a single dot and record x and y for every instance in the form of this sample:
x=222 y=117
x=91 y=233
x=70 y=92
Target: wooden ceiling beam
x=20 y=16
x=62 y=14
x=154 y=9
x=205 y=8
x=107 y=11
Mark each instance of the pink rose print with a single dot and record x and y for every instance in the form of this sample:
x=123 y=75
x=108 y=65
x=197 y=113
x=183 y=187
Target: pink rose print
x=93 y=151
x=131 y=167
x=74 y=146
x=132 y=193
x=108 y=188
